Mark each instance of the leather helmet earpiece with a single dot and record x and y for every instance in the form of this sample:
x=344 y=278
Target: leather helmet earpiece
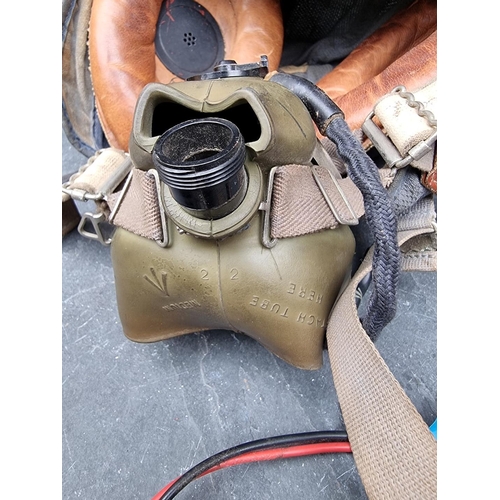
x=123 y=58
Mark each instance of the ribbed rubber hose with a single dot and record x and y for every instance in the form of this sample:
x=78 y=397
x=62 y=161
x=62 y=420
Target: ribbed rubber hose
x=379 y=212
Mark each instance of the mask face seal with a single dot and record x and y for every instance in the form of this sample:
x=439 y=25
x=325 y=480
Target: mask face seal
x=188 y=40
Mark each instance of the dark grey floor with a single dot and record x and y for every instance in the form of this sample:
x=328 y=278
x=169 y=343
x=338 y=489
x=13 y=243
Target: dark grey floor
x=135 y=416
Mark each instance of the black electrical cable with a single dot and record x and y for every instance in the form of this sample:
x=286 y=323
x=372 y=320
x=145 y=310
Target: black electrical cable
x=258 y=445
x=379 y=212
x=382 y=220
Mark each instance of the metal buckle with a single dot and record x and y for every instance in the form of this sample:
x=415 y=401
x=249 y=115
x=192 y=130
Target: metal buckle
x=96 y=220
x=353 y=221
x=388 y=151
x=107 y=188
x=325 y=160
x=80 y=194
x=265 y=206
x=164 y=226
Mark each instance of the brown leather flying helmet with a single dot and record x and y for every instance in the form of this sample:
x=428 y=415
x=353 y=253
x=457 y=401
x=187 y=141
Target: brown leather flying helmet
x=136 y=42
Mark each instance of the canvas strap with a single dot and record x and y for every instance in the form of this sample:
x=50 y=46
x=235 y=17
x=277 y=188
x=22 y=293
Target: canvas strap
x=395 y=453
x=305 y=199
x=403 y=127
x=394 y=450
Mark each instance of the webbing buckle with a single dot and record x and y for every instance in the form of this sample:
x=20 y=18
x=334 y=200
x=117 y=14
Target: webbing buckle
x=265 y=206
x=351 y=219
x=325 y=160
x=107 y=187
x=99 y=218
x=100 y=195
x=388 y=150
x=95 y=220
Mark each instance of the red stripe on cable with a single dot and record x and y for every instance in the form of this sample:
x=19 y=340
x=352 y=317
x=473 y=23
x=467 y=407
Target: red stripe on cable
x=273 y=454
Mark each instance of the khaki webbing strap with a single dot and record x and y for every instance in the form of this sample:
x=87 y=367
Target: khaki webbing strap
x=95 y=174
x=410 y=121
x=394 y=451
x=402 y=123
x=139 y=208
x=419 y=253
x=299 y=207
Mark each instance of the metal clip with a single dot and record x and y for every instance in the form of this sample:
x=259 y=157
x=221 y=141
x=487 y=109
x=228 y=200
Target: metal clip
x=388 y=151
x=353 y=221
x=107 y=188
x=164 y=226
x=123 y=170
x=265 y=206
x=81 y=194
x=96 y=220
x=324 y=159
